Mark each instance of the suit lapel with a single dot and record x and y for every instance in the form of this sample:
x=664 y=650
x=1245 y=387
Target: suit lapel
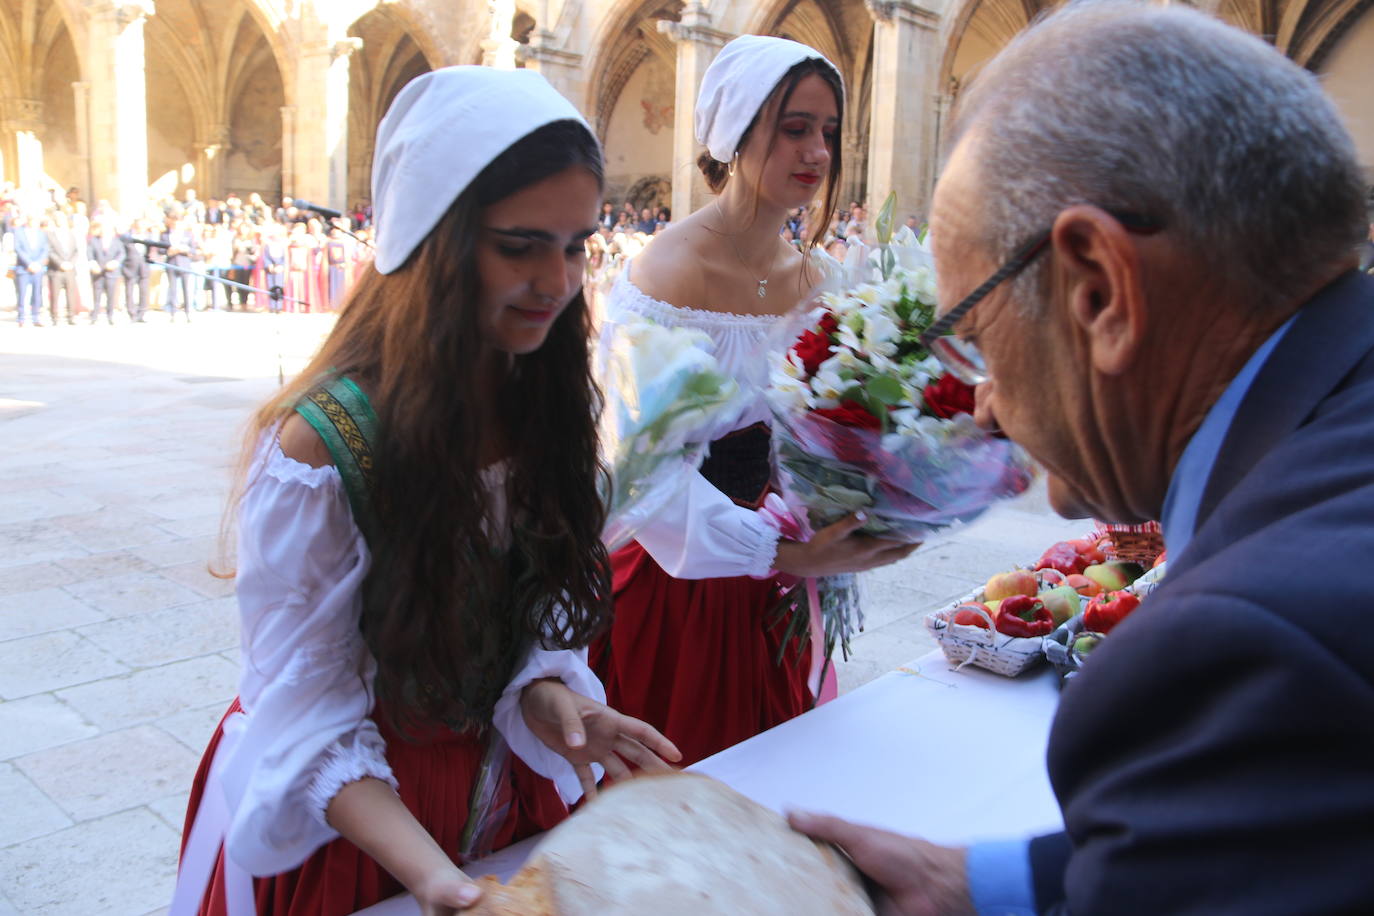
x=1332 y=333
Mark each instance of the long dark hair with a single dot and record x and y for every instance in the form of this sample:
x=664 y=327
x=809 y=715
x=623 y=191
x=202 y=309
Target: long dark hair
x=718 y=173
x=447 y=609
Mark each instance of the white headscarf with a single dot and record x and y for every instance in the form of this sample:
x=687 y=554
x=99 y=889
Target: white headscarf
x=442 y=130
x=738 y=82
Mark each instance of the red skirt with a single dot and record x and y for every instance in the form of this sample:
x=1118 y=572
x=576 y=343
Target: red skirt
x=435 y=775
x=698 y=658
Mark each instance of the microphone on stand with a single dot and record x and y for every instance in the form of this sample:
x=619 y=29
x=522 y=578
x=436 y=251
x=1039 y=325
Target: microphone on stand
x=147 y=243
x=323 y=211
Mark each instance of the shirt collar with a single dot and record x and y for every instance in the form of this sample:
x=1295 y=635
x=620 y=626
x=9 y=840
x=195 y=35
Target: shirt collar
x=1184 y=497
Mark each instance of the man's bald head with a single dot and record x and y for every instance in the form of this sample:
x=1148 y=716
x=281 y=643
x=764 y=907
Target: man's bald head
x=1167 y=113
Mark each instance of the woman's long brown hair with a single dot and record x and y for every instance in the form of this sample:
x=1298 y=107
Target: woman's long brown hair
x=446 y=612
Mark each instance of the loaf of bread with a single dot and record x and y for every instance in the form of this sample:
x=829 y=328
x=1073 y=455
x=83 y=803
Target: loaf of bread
x=678 y=845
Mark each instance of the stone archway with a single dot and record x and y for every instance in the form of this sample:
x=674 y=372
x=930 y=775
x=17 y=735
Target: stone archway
x=632 y=104
x=391 y=56
x=250 y=160
x=39 y=90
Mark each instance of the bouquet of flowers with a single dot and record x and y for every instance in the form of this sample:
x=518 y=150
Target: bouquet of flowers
x=666 y=396
x=865 y=418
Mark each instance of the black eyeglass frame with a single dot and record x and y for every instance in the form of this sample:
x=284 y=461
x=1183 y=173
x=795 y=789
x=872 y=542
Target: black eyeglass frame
x=1019 y=261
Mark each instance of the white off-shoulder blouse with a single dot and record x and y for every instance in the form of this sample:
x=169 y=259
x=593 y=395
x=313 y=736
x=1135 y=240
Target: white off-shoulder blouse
x=702 y=533
x=306 y=685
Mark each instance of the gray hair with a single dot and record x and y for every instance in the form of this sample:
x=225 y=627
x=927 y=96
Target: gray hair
x=1172 y=115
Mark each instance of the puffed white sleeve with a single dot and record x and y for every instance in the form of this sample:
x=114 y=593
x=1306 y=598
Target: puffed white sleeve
x=703 y=534
x=306 y=686
x=541 y=661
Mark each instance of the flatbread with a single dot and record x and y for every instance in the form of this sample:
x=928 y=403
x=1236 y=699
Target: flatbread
x=678 y=845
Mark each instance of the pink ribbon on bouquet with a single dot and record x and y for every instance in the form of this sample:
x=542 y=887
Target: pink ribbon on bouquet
x=775 y=512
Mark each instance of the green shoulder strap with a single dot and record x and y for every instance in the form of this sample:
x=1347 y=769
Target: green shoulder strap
x=338 y=410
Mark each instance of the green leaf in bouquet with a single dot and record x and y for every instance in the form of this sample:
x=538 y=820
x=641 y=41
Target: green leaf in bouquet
x=886 y=216
x=885 y=390
x=845 y=498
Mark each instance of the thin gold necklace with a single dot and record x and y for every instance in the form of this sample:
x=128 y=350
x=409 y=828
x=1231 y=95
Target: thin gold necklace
x=762 y=284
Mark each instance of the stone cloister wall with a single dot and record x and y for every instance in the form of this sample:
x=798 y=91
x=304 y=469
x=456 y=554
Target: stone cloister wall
x=112 y=96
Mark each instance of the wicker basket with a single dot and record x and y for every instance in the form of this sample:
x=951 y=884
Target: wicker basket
x=986 y=648
x=1135 y=543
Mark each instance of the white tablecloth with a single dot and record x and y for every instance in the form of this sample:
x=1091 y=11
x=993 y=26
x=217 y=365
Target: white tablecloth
x=952 y=756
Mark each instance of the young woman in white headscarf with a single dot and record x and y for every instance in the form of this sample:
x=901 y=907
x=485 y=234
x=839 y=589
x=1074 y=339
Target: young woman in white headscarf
x=693 y=648
x=417 y=583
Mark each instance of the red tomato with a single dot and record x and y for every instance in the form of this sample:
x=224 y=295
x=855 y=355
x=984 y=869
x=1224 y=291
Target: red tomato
x=966 y=616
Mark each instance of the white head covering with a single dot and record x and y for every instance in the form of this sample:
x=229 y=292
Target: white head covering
x=738 y=82
x=442 y=130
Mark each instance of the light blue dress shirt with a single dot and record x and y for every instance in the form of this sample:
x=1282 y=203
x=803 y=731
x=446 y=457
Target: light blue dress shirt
x=999 y=873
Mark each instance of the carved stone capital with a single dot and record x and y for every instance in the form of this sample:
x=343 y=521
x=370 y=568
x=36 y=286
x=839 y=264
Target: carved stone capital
x=24 y=115
x=122 y=12
x=890 y=11
x=333 y=48
x=702 y=34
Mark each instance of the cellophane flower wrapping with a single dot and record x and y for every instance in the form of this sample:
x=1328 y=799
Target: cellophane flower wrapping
x=666 y=397
x=866 y=419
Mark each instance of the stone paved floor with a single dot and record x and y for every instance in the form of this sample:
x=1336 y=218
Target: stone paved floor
x=118 y=650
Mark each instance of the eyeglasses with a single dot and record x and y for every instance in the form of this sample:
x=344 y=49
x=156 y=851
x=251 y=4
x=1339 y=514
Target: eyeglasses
x=962 y=358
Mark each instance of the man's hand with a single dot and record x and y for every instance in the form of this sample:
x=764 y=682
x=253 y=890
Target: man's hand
x=920 y=878
x=586 y=732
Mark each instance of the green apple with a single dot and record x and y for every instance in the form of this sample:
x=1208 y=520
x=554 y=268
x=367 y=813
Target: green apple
x=1113 y=576
x=1062 y=601
x=1085 y=644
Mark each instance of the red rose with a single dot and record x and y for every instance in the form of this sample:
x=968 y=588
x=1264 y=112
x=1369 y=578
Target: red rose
x=948 y=397
x=850 y=413
x=813 y=348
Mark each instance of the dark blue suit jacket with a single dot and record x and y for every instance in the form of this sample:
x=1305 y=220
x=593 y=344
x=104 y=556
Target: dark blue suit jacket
x=1216 y=755
x=31 y=247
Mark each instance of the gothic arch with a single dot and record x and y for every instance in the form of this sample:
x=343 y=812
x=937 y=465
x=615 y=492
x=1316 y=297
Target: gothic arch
x=391 y=56
x=625 y=40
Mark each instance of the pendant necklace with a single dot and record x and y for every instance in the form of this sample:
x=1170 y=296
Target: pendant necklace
x=762 y=284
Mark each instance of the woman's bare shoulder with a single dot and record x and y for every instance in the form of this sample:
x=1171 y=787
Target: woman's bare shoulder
x=300 y=442
x=670 y=267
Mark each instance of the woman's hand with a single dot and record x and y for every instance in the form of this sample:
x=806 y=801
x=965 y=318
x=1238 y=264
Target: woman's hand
x=586 y=732
x=837 y=549
x=446 y=891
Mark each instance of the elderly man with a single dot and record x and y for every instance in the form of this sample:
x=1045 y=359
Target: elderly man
x=1149 y=223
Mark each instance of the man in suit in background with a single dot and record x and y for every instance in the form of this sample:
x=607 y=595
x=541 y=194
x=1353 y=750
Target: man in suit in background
x=1182 y=334
x=30 y=266
x=105 y=252
x=63 y=248
x=180 y=252
x=137 y=274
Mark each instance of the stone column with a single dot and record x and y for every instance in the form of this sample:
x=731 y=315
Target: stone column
x=315 y=158
x=211 y=150
x=563 y=69
x=697 y=45
x=117 y=103
x=23 y=132
x=499 y=48
x=901 y=140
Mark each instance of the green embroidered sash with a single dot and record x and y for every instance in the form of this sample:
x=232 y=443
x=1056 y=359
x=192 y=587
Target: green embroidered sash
x=338 y=410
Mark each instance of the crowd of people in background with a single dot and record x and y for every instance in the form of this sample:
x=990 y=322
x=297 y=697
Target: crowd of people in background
x=622 y=233
x=183 y=255
x=243 y=254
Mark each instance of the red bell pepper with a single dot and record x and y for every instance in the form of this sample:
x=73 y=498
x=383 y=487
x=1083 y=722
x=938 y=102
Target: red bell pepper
x=1025 y=616
x=1108 y=609
x=1062 y=557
